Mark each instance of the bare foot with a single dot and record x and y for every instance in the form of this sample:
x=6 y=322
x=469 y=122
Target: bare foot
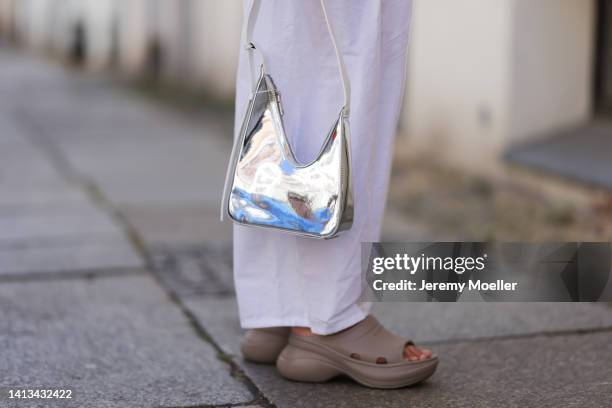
x=411 y=353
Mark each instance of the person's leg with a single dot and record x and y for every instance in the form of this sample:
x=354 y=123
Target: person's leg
x=283 y=280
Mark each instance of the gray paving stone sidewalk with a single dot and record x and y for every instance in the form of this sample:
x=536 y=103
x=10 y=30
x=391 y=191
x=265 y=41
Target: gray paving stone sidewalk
x=79 y=310
x=115 y=341
x=47 y=222
x=523 y=355
x=93 y=177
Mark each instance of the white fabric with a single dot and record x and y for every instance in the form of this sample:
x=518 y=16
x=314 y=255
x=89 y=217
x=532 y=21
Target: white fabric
x=285 y=280
x=248 y=42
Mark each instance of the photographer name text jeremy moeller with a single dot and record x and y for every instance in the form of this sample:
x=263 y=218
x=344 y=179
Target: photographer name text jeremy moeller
x=407 y=285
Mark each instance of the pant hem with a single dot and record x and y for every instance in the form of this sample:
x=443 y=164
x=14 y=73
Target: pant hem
x=352 y=317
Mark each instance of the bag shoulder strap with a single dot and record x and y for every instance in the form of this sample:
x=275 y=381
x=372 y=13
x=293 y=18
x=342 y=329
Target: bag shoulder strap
x=251 y=47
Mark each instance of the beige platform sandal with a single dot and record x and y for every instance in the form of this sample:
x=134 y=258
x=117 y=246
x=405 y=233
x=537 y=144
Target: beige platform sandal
x=367 y=352
x=264 y=345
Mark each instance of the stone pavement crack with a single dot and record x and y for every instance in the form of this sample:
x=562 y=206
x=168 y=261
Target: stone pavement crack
x=36 y=133
x=132 y=234
x=77 y=274
x=235 y=370
x=555 y=333
x=252 y=404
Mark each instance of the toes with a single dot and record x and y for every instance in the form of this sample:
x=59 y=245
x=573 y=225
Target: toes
x=425 y=354
x=413 y=353
x=410 y=353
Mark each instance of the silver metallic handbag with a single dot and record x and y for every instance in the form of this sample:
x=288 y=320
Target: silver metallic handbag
x=266 y=186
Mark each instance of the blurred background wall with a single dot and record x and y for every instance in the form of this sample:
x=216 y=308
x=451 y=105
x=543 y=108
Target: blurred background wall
x=195 y=42
x=484 y=75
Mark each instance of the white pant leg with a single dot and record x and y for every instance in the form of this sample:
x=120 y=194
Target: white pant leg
x=284 y=280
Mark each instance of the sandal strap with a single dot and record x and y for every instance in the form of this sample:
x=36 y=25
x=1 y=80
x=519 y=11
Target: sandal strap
x=368 y=341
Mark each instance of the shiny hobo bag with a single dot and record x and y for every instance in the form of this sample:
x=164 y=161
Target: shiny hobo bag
x=265 y=185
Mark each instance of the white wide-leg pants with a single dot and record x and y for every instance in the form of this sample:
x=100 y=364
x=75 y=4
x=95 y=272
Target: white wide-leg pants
x=285 y=280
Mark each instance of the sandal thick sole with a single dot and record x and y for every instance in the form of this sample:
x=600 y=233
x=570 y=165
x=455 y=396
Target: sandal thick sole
x=307 y=362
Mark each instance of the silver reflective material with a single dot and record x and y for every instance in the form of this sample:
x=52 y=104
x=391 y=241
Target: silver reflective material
x=266 y=186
